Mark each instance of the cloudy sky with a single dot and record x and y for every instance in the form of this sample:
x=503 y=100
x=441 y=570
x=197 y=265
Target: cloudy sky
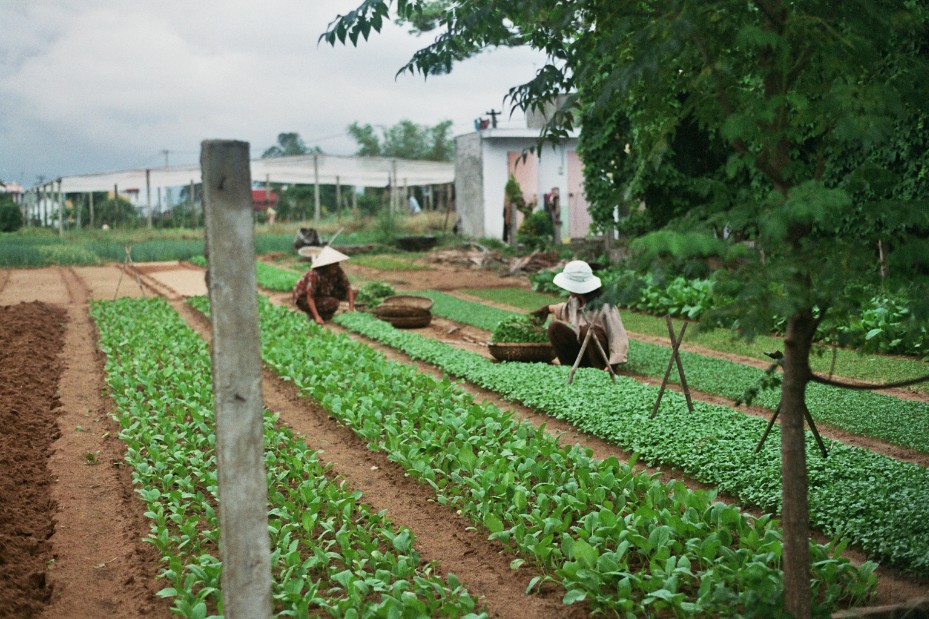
x=104 y=85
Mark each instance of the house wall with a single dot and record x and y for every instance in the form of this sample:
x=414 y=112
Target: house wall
x=579 y=219
x=496 y=173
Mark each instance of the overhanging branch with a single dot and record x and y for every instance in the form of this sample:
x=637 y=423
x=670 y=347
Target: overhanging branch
x=866 y=386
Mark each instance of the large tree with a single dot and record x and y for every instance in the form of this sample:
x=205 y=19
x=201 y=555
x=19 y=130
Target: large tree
x=404 y=140
x=288 y=145
x=794 y=109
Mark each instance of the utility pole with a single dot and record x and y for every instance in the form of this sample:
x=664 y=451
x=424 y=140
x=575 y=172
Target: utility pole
x=493 y=117
x=167 y=189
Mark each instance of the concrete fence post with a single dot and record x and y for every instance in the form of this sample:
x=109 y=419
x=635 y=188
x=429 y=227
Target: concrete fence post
x=232 y=283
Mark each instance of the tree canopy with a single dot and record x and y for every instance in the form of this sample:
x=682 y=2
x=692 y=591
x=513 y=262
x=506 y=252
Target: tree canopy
x=404 y=140
x=288 y=145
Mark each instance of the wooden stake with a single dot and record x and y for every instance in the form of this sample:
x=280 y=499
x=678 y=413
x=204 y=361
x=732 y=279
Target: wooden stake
x=128 y=264
x=580 y=355
x=675 y=357
x=809 y=420
x=232 y=282
x=584 y=344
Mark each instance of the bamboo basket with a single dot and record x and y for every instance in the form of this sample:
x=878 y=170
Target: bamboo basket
x=404 y=316
x=519 y=351
x=408 y=300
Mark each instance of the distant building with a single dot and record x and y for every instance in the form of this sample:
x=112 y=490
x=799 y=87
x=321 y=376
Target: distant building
x=263 y=199
x=486 y=158
x=15 y=190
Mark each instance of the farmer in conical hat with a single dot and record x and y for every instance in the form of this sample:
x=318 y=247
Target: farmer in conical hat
x=573 y=319
x=320 y=290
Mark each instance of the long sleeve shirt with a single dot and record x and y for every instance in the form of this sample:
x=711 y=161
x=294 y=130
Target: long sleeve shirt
x=606 y=317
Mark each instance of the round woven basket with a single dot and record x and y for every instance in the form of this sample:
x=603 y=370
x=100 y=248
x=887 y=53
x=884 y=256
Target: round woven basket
x=517 y=351
x=410 y=322
x=386 y=310
x=408 y=300
x=403 y=316
x=416 y=243
x=309 y=252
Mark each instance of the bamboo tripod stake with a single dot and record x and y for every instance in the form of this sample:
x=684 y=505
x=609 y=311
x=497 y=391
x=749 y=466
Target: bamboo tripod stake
x=584 y=344
x=675 y=357
x=127 y=263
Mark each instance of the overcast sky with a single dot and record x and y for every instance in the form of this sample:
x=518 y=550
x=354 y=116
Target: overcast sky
x=103 y=85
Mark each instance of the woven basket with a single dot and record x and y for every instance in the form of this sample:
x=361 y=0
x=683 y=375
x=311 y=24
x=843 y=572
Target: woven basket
x=309 y=252
x=408 y=300
x=517 y=351
x=386 y=310
x=404 y=316
x=416 y=243
x=410 y=322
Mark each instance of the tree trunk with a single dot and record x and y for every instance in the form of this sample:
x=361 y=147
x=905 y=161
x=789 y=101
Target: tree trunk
x=795 y=508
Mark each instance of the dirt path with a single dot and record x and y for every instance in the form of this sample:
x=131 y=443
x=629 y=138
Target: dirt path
x=82 y=522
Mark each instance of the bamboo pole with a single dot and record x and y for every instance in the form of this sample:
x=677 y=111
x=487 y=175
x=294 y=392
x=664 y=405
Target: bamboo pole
x=61 y=211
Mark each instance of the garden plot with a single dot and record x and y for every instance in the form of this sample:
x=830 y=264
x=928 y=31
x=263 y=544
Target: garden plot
x=330 y=553
x=117 y=584
x=594 y=524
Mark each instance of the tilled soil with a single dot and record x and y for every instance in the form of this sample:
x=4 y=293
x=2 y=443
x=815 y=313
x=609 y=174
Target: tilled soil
x=70 y=524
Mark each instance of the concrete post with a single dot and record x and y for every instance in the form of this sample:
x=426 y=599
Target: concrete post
x=61 y=211
x=232 y=282
x=316 y=190
x=148 y=196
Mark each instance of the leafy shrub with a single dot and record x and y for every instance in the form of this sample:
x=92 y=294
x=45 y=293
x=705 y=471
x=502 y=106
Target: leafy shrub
x=543 y=281
x=520 y=329
x=536 y=231
x=11 y=219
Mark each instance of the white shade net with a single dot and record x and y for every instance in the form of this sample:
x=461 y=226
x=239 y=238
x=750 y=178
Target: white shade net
x=302 y=169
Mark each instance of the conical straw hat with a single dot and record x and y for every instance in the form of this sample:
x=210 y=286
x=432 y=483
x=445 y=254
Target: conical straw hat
x=328 y=256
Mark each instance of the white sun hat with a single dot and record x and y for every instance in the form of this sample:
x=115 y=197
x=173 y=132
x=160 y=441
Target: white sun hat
x=328 y=256
x=577 y=277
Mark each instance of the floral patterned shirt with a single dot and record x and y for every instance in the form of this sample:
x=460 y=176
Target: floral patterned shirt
x=332 y=284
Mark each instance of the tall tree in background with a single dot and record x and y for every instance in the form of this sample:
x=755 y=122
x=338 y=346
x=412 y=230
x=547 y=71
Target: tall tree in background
x=288 y=145
x=294 y=200
x=405 y=140
x=801 y=104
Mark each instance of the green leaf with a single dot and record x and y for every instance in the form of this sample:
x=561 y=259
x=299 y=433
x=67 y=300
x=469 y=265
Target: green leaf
x=493 y=523
x=466 y=456
x=574 y=595
x=584 y=553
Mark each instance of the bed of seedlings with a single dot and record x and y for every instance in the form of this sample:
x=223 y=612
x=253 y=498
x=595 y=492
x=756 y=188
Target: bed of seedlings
x=874 y=501
x=861 y=412
x=331 y=554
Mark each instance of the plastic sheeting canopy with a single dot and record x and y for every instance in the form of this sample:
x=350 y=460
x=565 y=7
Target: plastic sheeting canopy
x=301 y=169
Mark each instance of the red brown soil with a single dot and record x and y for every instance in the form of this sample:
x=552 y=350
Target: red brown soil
x=88 y=550
x=32 y=336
